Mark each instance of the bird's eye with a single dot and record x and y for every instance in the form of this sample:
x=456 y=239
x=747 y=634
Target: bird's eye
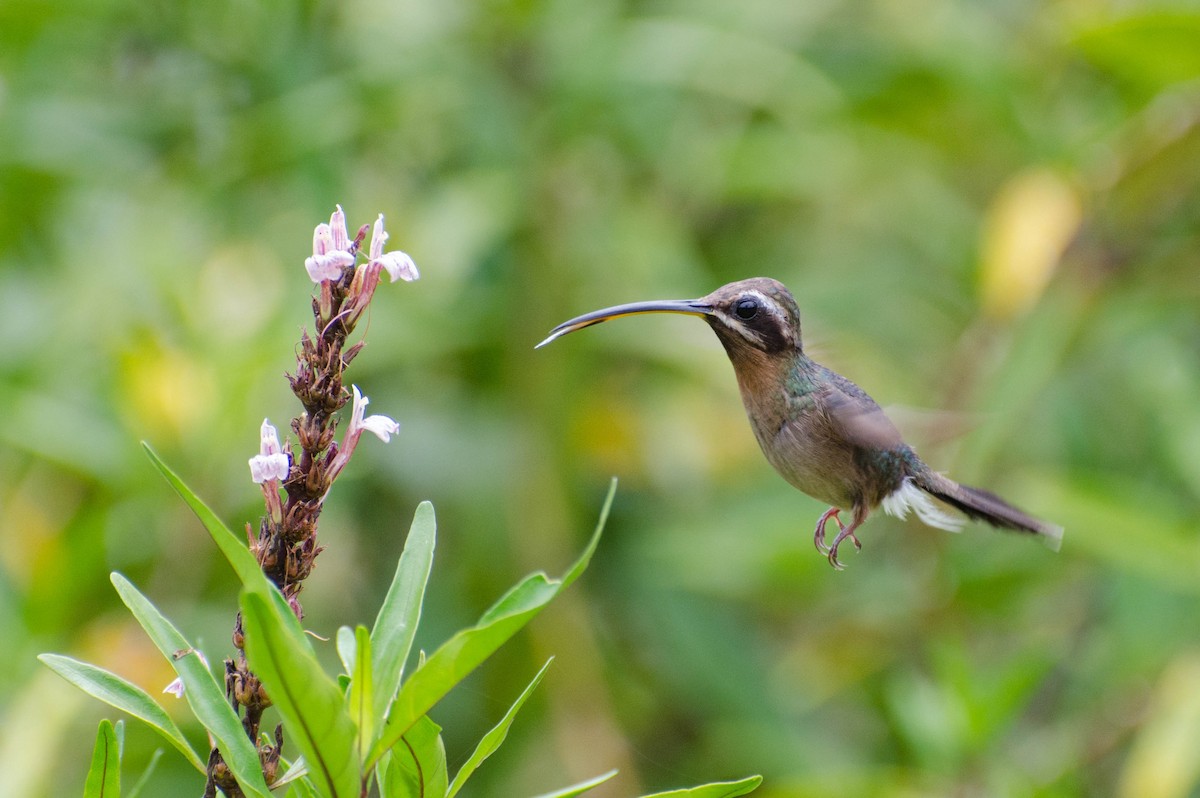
x=745 y=308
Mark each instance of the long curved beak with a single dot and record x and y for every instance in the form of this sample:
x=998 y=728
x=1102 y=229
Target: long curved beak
x=692 y=307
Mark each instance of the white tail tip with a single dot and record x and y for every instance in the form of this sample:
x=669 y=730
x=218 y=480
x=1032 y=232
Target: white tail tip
x=908 y=497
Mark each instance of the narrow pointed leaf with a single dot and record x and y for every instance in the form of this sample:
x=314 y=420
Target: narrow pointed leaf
x=581 y=787
x=447 y=666
x=234 y=550
x=581 y=564
x=296 y=772
x=385 y=778
x=201 y=691
x=724 y=789
x=125 y=696
x=243 y=562
x=344 y=642
x=310 y=702
x=418 y=766
x=359 y=697
x=531 y=593
x=104 y=775
x=302 y=789
x=463 y=652
x=144 y=779
x=396 y=623
x=494 y=738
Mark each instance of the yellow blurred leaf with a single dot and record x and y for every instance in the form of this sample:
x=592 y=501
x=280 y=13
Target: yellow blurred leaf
x=41 y=505
x=607 y=430
x=1163 y=762
x=1031 y=222
x=165 y=391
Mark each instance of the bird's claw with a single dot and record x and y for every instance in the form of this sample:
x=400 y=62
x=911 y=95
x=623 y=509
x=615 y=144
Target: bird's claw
x=845 y=533
x=819 y=534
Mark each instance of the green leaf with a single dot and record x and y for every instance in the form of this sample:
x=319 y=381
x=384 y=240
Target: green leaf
x=724 y=789
x=302 y=789
x=201 y=691
x=144 y=779
x=462 y=653
x=531 y=593
x=247 y=568
x=396 y=623
x=243 y=562
x=581 y=787
x=494 y=738
x=296 y=772
x=581 y=564
x=358 y=699
x=418 y=767
x=310 y=702
x=441 y=672
x=385 y=777
x=344 y=642
x=125 y=696
x=1121 y=43
x=104 y=775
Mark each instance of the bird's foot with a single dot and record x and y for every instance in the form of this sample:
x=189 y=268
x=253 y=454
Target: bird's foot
x=819 y=535
x=847 y=532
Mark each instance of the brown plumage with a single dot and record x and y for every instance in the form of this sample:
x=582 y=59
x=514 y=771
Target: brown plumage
x=819 y=430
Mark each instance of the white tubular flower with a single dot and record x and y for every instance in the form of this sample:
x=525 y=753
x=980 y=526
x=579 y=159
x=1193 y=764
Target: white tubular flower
x=379 y=238
x=337 y=226
x=382 y=426
x=397 y=264
x=322 y=239
x=270 y=463
x=331 y=249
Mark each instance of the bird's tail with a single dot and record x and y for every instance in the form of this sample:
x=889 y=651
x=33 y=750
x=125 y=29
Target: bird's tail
x=982 y=505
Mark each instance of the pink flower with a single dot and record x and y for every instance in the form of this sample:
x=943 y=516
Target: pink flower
x=331 y=249
x=270 y=462
x=337 y=226
x=269 y=467
x=382 y=426
x=397 y=264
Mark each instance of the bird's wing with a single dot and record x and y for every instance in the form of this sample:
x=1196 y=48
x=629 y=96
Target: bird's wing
x=855 y=413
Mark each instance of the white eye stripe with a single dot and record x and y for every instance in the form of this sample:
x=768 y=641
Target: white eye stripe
x=741 y=329
x=768 y=304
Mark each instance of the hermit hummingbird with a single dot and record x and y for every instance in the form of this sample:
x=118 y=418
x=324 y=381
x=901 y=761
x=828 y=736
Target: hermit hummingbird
x=819 y=430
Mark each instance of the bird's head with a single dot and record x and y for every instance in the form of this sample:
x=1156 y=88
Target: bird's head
x=755 y=315
x=750 y=317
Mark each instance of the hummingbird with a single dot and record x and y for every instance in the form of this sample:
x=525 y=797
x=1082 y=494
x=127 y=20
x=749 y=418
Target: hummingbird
x=820 y=431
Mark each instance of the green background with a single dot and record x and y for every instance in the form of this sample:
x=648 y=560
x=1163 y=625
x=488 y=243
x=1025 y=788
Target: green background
x=989 y=213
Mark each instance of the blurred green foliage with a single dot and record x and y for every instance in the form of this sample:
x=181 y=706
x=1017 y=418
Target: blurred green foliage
x=985 y=208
